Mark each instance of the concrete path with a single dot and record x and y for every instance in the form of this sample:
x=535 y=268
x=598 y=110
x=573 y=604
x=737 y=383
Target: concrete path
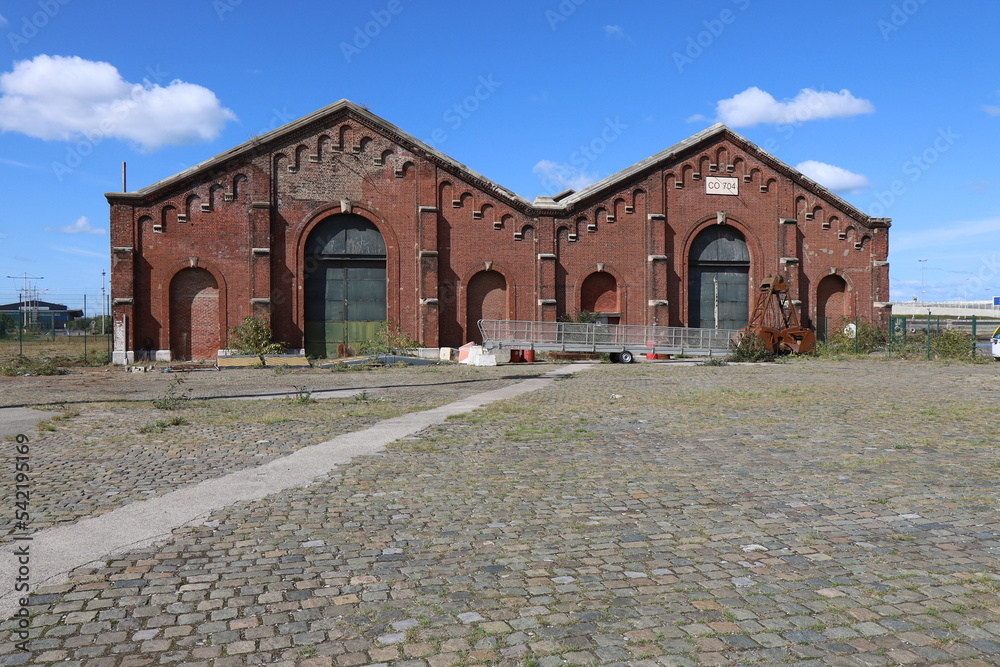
x=57 y=551
x=21 y=420
x=317 y=394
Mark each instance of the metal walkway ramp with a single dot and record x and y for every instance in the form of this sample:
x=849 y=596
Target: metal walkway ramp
x=617 y=339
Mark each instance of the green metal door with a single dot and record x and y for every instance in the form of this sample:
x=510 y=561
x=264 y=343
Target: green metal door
x=718 y=279
x=720 y=297
x=345 y=285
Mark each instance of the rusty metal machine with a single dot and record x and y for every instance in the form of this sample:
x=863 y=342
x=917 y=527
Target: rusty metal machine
x=775 y=323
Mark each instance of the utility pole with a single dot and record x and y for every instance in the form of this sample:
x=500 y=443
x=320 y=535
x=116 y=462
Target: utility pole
x=29 y=295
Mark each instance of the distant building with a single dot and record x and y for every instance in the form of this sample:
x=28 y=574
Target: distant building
x=40 y=314
x=340 y=220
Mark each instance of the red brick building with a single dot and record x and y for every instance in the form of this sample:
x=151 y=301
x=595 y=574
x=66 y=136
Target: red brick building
x=341 y=220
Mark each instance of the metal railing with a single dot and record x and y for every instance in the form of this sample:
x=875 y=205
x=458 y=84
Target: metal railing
x=967 y=305
x=576 y=337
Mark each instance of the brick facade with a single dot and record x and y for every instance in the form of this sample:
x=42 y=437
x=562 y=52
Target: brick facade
x=458 y=245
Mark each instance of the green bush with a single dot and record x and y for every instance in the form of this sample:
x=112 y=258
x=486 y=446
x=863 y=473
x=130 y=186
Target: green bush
x=389 y=339
x=868 y=338
x=750 y=350
x=254 y=337
x=947 y=345
x=579 y=317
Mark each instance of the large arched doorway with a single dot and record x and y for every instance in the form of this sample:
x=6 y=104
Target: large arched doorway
x=487 y=300
x=718 y=283
x=832 y=305
x=194 y=315
x=599 y=294
x=345 y=284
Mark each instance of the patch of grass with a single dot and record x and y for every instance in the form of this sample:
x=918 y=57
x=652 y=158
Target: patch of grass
x=986 y=580
x=526 y=433
x=274 y=419
x=161 y=424
x=420 y=448
x=23 y=365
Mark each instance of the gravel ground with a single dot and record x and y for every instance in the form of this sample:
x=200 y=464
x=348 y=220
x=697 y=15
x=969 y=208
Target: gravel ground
x=807 y=513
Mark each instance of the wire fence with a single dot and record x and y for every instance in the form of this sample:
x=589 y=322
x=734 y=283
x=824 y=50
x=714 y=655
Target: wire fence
x=74 y=326
x=909 y=337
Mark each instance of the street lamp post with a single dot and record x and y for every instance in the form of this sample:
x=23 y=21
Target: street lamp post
x=922 y=278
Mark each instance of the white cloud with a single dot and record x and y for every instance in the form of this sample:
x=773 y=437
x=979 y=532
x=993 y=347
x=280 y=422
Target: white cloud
x=3 y=21
x=563 y=176
x=837 y=179
x=614 y=32
x=754 y=106
x=991 y=110
x=68 y=98
x=81 y=226
x=15 y=163
x=79 y=251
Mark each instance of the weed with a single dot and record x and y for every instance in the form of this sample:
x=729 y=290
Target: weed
x=173 y=397
x=714 y=361
x=302 y=396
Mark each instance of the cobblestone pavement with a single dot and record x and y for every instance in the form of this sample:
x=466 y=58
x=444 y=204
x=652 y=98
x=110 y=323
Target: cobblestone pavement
x=811 y=513
x=105 y=452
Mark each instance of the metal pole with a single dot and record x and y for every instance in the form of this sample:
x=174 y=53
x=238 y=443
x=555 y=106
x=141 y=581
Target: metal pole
x=973 y=336
x=928 y=335
x=85 y=328
x=107 y=337
x=103 y=314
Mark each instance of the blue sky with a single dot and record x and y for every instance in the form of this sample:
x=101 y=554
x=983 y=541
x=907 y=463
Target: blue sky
x=894 y=104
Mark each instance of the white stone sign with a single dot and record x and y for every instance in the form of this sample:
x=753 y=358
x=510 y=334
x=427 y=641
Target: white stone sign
x=722 y=185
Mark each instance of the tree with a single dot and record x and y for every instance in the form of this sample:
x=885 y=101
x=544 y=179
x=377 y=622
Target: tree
x=7 y=325
x=254 y=337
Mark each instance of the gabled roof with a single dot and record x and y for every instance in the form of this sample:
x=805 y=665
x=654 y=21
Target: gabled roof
x=562 y=204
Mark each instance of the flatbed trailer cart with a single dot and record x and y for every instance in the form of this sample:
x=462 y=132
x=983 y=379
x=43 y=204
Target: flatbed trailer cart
x=621 y=341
